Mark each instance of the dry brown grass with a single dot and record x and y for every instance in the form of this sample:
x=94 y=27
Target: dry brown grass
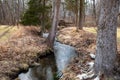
x=84 y=42
x=81 y=39
x=6 y=32
x=20 y=50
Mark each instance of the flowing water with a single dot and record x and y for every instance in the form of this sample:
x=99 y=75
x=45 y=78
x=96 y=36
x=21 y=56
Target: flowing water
x=45 y=71
x=63 y=55
x=51 y=64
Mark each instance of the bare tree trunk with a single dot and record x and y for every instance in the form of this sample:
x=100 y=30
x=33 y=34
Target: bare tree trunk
x=53 y=8
x=53 y=30
x=76 y=13
x=2 y=13
x=97 y=11
x=7 y=14
x=43 y=17
x=106 y=38
x=81 y=14
x=11 y=14
x=64 y=11
x=23 y=5
x=18 y=18
x=94 y=10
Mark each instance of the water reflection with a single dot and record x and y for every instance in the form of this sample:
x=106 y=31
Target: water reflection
x=45 y=71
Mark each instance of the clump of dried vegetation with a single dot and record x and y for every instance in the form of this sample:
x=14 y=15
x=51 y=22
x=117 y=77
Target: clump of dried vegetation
x=20 y=51
x=81 y=40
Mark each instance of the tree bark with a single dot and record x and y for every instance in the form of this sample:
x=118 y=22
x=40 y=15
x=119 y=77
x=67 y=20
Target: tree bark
x=97 y=10
x=64 y=11
x=81 y=14
x=53 y=30
x=106 y=38
x=43 y=17
x=94 y=10
x=2 y=13
x=76 y=13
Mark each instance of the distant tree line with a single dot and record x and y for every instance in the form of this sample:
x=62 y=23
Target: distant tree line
x=11 y=11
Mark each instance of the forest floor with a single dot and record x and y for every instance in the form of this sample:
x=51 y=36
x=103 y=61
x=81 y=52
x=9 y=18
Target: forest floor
x=85 y=43
x=19 y=49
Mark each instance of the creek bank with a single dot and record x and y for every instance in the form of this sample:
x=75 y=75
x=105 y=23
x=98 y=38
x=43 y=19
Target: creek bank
x=20 y=52
x=63 y=54
x=84 y=43
x=44 y=71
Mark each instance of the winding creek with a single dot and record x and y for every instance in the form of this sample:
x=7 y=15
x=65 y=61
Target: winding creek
x=51 y=66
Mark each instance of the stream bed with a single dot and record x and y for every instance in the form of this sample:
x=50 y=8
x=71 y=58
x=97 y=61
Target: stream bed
x=45 y=71
x=52 y=65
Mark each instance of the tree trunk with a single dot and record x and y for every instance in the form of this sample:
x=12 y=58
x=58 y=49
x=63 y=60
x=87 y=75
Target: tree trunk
x=81 y=15
x=18 y=16
x=106 y=37
x=43 y=17
x=53 y=30
x=2 y=13
x=64 y=11
x=94 y=10
x=97 y=10
x=53 y=8
x=23 y=6
x=76 y=13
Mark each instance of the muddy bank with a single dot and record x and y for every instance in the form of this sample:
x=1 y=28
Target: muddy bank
x=20 y=51
x=85 y=43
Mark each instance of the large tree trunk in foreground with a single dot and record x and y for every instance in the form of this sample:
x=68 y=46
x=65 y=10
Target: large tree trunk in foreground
x=52 y=33
x=106 y=38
